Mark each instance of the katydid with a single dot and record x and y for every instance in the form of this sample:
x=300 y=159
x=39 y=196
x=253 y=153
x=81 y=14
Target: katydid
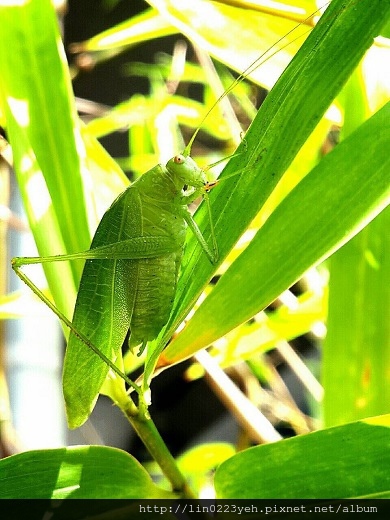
x=131 y=270
x=142 y=234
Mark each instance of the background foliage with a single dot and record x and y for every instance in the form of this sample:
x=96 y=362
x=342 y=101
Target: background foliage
x=295 y=207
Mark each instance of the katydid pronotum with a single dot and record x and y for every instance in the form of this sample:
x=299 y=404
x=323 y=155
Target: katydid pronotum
x=132 y=260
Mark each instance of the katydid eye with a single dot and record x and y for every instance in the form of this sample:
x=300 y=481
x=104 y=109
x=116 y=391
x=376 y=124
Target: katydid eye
x=179 y=159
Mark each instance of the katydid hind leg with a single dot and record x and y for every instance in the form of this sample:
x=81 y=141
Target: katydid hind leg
x=71 y=326
x=138 y=247
x=82 y=330
x=129 y=249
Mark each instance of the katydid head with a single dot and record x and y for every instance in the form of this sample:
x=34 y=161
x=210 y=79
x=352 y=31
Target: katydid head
x=185 y=172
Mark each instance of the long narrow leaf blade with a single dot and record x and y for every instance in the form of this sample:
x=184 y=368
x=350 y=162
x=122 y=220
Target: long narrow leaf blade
x=40 y=121
x=349 y=461
x=335 y=201
x=75 y=472
x=356 y=352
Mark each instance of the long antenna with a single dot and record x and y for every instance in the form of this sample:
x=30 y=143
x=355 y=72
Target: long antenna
x=252 y=67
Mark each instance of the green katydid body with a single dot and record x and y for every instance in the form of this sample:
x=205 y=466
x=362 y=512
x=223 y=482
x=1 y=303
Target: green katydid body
x=130 y=275
x=149 y=219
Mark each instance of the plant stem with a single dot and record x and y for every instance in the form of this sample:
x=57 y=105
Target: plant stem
x=150 y=436
x=153 y=441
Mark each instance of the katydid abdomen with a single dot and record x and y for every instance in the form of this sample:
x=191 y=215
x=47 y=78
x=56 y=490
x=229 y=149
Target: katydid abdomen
x=155 y=292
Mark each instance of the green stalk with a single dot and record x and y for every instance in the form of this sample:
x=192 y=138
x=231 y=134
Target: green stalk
x=148 y=433
x=146 y=430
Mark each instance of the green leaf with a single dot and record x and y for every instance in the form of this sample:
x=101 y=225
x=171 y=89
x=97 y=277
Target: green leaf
x=49 y=148
x=141 y=27
x=269 y=328
x=36 y=95
x=294 y=237
x=317 y=217
x=76 y=472
x=198 y=464
x=356 y=350
x=214 y=26
x=350 y=461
